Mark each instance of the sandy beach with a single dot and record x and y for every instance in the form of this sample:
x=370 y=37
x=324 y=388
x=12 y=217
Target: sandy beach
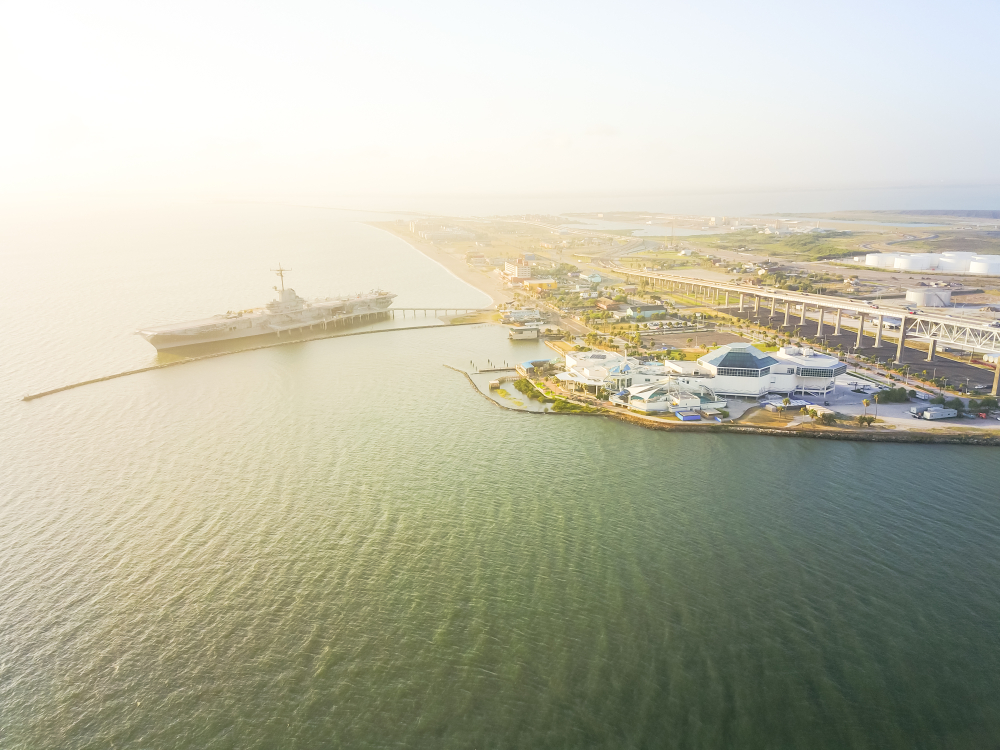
x=486 y=282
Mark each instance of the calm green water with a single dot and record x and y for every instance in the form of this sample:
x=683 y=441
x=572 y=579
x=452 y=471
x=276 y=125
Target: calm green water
x=341 y=544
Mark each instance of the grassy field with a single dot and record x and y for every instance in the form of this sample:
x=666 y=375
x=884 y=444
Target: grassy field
x=797 y=246
x=958 y=241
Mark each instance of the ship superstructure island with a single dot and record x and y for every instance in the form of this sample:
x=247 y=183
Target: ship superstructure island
x=287 y=314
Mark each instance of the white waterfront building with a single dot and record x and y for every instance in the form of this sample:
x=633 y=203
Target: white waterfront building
x=673 y=394
x=734 y=370
x=609 y=370
x=743 y=370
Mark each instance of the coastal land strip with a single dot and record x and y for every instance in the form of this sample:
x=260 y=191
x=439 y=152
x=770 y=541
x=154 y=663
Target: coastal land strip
x=851 y=435
x=486 y=283
x=490 y=285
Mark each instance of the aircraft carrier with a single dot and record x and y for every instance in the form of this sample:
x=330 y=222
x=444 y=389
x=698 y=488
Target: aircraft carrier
x=287 y=314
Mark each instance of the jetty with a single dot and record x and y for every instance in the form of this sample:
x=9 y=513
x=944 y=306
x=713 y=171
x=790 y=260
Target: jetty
x=213 y=355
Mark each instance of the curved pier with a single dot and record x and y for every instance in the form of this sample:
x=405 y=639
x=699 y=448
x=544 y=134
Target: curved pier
x=33 y=396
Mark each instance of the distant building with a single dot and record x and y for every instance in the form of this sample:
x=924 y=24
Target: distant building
x=609 y=304
x=541 y=284
x=643 y=312
x=516 y=270
x=521 y=316
x=442 y=233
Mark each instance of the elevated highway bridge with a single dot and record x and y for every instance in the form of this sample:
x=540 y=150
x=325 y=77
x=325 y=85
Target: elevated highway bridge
x=932 y=327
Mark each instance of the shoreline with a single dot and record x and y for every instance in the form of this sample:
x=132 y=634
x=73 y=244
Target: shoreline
x=483 y=282
x=732 y=428
x=492 y=287
x=857 y=436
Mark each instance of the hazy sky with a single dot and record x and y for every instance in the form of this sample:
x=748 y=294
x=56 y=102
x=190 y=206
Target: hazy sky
x=311 y=100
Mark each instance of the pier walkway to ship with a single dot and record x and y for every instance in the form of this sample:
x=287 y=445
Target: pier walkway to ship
x=345 y=321
x=434 y=311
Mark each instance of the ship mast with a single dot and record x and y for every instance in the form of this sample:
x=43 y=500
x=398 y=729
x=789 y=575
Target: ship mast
x=281 y=272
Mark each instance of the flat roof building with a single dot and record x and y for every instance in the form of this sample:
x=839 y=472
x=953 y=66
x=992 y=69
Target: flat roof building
x=517 y=270
x=541 y=284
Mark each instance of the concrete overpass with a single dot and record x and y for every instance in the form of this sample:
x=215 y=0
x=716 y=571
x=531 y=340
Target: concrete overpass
x=935 y=328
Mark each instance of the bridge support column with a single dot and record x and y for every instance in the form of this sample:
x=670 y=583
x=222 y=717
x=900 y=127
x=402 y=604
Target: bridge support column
x=772 y=307
x=861 y=329
x=996 y=378
x=727 y=299
x=756 y=306
x=802 y=318
x=741 y=303
x=878 y=332
x=788 y=307
x=901 y=346
x=819 y=324
x=931 y=349
x=836 y=328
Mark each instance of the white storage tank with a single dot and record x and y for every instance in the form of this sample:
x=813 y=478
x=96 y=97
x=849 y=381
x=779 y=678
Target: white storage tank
x=881 y=260
x=987 y=265
x=913 y=261
x=954 y=262
x=929 y=297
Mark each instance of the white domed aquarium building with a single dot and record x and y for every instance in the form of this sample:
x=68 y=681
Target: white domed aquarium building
x=673 y=394
x=600 y=369
x=743 y=370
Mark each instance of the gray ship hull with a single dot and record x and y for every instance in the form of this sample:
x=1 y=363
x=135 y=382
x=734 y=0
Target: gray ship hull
x=288 y=316
x=173 y=340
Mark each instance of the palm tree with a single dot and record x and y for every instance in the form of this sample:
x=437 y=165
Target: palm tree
x=876 y=405
x=867 y=403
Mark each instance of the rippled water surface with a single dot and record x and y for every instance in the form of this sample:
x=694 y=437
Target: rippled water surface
x=341 y=544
